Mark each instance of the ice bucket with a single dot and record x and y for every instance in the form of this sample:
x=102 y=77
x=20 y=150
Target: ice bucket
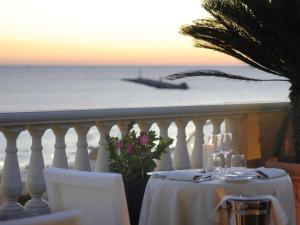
x=247 y=210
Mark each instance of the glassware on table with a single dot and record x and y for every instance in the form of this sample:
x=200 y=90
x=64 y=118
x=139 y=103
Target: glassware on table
x=214 y=163
x=224 y=145
x=238 y=164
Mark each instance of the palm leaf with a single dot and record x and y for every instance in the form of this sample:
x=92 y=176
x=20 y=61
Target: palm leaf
x=261 y=33
x=214 y=73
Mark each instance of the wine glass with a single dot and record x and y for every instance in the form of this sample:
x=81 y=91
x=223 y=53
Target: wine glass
x=238 y=164
x=224 y=145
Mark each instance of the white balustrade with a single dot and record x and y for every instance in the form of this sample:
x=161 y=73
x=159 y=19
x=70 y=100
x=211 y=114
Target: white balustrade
x=11 y=184
x=102 y=164
x=11 y=124
x=82 y=161
x=197 y=154
x=35 y=183
x=145 y=125
x=165 y=163
x=216 y=122
x=123 y=126
x=60 y=156
x=181 y=157
x=233 y=126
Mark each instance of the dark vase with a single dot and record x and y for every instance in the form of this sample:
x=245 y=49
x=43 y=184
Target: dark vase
x=134 y=190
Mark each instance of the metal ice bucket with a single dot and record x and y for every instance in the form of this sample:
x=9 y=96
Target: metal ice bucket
x=247 y=210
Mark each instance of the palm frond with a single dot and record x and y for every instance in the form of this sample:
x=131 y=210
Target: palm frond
x=214 y=73
x=261 y=33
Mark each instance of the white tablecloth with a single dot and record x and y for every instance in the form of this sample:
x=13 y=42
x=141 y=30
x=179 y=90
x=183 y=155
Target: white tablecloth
x=169 y=202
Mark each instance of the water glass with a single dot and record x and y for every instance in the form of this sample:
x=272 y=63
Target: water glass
x=214 y=163
x=238 y=163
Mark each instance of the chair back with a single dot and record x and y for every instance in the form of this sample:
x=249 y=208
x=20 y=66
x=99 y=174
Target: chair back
x=100 y=196
x=71 y=217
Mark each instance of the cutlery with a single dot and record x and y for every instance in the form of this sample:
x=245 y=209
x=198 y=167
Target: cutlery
x=261 y=175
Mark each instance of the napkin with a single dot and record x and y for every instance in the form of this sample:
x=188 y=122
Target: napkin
x=187 y=175
x=264 y=172
x=277 y=214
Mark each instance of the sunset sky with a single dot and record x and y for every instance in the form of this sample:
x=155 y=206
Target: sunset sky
x=104 y=32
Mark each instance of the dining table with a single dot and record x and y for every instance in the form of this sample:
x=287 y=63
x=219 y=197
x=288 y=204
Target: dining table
x=182 y=202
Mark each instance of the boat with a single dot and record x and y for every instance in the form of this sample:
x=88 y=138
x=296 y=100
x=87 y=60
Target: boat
x=157 y=83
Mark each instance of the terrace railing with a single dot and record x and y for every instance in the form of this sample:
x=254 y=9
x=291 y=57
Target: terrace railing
x=238 y=120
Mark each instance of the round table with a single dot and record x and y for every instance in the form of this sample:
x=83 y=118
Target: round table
x=171 y=202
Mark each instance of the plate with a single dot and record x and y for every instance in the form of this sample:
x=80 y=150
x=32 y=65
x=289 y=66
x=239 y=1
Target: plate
x=158 y=174
x=237 y=178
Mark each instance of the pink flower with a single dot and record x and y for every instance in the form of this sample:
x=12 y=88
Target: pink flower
x=119 y=144
x=143 y=139
x=130 y=148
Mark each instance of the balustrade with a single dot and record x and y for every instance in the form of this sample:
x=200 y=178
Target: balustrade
x=181 y=157
x=102 y=157
x=82 y=161
x=35 y=183
x=216 y=122
x=60 y=156
x=145 y=125
x=11 y=124
x=197 y=154
x=11 y=184
x=165 y=163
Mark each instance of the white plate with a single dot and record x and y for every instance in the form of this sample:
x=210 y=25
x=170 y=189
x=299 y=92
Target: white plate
x=236 y=178
x=158 y=174
x=163 y=174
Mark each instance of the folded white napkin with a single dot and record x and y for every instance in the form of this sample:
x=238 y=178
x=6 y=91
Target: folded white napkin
x=187 y=175
x=264 y=172
x=277 y=214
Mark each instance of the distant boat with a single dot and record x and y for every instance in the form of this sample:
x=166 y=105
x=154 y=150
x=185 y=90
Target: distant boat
x=157 y=83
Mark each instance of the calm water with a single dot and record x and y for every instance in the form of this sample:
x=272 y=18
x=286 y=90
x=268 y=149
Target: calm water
x=39 y=88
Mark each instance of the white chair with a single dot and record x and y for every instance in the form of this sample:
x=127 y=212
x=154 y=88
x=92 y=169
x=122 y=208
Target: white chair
x=71 y=217
x=99 y=196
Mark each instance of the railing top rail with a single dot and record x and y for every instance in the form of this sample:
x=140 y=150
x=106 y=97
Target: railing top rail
x=69 y=116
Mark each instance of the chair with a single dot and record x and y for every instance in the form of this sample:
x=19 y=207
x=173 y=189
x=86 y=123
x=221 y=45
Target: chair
x=100 y=196
x=71 y=217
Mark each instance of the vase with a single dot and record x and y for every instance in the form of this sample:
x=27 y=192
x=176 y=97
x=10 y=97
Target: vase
x=134 y=190
x=293 y=169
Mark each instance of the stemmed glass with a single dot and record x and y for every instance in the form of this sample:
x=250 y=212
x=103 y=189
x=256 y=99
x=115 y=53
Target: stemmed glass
x=238 y=164
x=224 y=145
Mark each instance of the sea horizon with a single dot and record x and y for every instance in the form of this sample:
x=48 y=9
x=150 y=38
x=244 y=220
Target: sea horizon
x=20 y=85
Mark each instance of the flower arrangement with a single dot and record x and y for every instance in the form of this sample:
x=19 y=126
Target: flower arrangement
x=133 y=156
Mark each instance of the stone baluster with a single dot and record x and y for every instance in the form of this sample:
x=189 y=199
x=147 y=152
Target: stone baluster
x=145 y=125
x=60 y=156
x=123 y=126
x=102 y=164
x=35 y=183
x=227 y=131
x=234 y=126
x=165 y=163
x=227 y=125
x=11 y=183
x=82 y=161
x=216 y=122
x=181 y=156
x=197 y=154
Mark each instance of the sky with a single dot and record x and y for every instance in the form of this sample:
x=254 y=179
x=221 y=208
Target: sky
x=102 y=32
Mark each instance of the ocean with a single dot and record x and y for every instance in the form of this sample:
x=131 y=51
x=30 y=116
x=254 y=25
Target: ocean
x=43 y=88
